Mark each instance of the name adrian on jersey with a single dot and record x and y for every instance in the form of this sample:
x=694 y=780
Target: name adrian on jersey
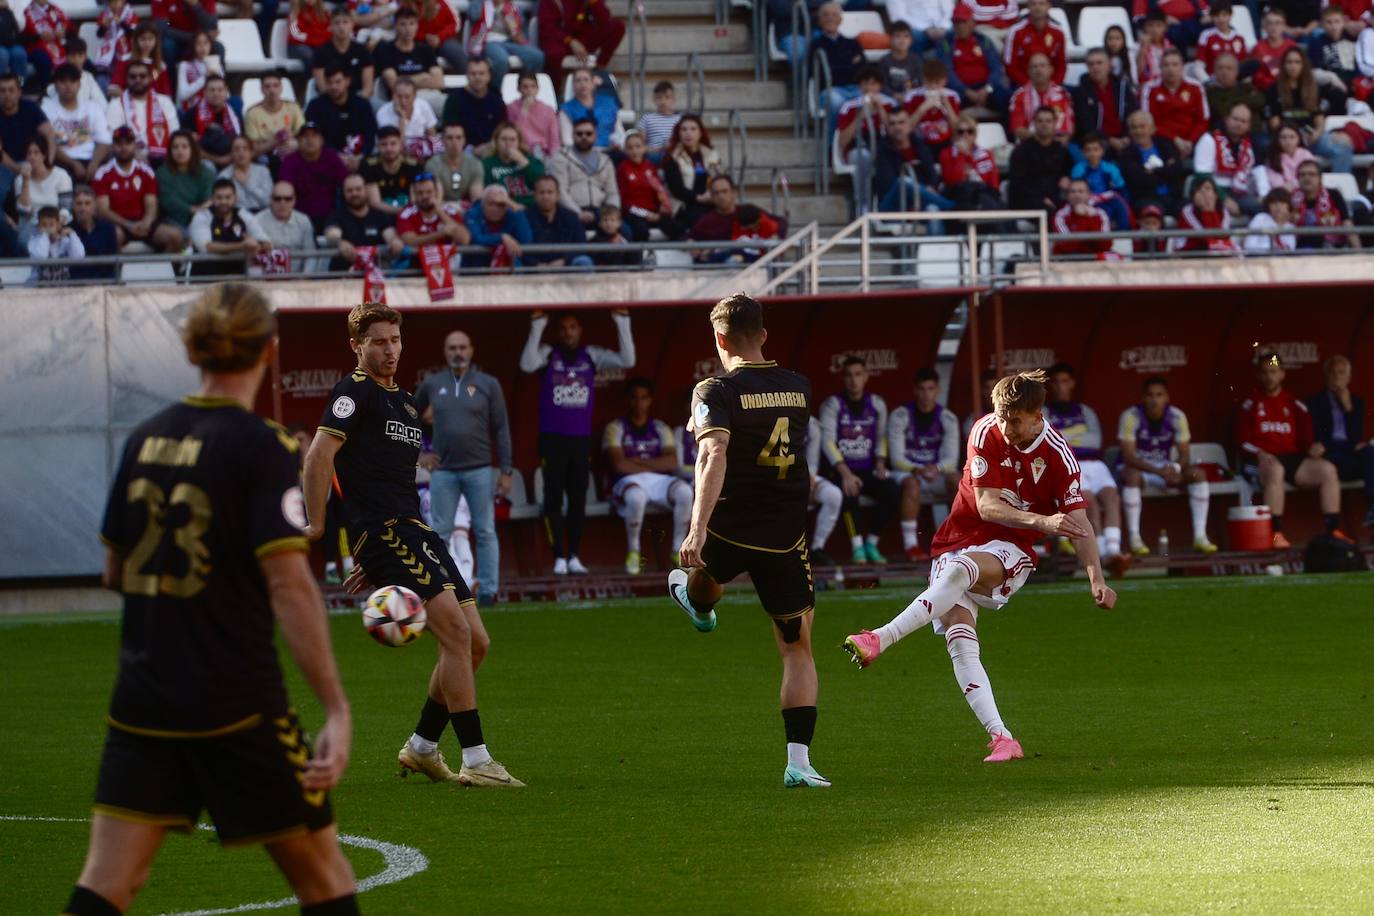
x=397 y=430
x=772 y=399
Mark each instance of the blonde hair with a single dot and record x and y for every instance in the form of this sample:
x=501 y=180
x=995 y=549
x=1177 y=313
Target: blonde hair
x=228 y=327
x=366 y=314
x=1023 y=392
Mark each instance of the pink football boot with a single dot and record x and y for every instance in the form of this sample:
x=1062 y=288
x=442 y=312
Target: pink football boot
x=863 y=647
x=1004 y=748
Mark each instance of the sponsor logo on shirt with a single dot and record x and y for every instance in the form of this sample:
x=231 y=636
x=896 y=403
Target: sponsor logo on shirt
x=1154 y=358
x=398 y=431
x=574 y=394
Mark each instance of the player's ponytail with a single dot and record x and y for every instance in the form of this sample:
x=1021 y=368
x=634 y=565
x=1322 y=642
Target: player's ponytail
x=1023 y=392
x=228 y=327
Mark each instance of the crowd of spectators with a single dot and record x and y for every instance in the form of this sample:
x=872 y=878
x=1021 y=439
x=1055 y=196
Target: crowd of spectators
x=378 y=160
x=1182 y=124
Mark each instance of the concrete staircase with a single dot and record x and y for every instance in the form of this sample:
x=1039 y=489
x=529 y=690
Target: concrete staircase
x=677 y=28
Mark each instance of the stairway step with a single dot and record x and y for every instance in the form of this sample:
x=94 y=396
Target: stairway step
x=674 y=64
x=660 y=10
x=670 y=38
x=746 y=95
x=764 y=122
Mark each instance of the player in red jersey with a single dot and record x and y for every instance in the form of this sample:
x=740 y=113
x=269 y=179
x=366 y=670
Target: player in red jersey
x=1274 y=431
x=1020 y=484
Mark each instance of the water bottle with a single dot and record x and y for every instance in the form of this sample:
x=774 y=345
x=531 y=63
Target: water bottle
x=837 y=582
x=1162 y=548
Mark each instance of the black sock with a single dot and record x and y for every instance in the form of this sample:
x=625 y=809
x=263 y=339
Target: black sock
x=86 y=902
x=799 y=722
x=433 y=718
x=339 y=906
x=1276 y=522
x=467 y=725
x=1333 y=521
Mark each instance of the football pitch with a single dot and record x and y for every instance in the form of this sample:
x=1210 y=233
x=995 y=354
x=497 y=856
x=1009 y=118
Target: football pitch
x=1206 y=746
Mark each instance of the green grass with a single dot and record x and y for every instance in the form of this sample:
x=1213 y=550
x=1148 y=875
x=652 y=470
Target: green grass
x=1205 y=746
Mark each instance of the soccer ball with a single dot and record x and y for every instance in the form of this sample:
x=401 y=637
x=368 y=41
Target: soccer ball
x=394 y=616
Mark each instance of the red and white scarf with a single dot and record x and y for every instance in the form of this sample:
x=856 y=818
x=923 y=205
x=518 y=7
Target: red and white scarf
x=504 y=16
x=226 y=120
x=1193 y=218
x=374 y=284
x=434 y=259
x=1319 y=212
x=114 y=42
x=44 y=25
x=272 y=262
x=152 y=128
x=1232 y=164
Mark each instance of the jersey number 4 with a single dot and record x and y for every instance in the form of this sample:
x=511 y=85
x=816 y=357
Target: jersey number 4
x=195 y=521
x=781 y=441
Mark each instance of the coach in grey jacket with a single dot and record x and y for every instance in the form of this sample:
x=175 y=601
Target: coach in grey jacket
x=467 y=410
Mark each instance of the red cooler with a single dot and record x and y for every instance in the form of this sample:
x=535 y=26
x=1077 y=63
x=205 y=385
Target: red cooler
x=1249 y=528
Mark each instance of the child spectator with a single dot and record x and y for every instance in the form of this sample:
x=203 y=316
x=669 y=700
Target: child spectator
x=537 y=121
x=1079 y=215
x=608 y=232
x=656 y=127
x=193 y=72
x=1269 y=50
x=1275 y=218
x=901 y=67
x=53 y=242
x=39 y=184
x=752 y=222
x=1151 y=220
x=643 y=196
x=1286 y=153
x=1105 y=181
x=1153 y=44
x=1119 y=53
x=933 y=107
x=147 y=49
x=1331 y=49
x=863 y=121
x=1219 y=39
x=114 y=26
x=1205 y=211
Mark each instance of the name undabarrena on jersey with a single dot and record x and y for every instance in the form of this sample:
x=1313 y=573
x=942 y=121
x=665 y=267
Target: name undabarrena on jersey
x=772 y=399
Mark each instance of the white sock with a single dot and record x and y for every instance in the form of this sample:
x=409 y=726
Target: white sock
x=949 y=581
x=1130 y=507
x=635 y=502
x=856 y=541
x=871 y=539
x=1101 y=546
x=1112 y=536
x=476 y=755
x=910 y=535
x=423 y=746
x=681 y=497
x=962 y=643
x=798 y=755
x=831 y=498
x=1199 y=500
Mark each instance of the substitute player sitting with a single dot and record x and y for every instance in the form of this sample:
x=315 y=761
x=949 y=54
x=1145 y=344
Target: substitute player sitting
x=826 y=498
x=752 y=486
x=923 y=443
x=1151 y=434
x=203 y=536
x=372 y=437
x=643 y=456
x=1078 y=424
x=1021 y=483
x=854 y=440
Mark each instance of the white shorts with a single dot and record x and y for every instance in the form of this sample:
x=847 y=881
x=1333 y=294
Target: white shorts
x=1013 y=560
x=1096 y=476
x=938 y=487
x=656 y=486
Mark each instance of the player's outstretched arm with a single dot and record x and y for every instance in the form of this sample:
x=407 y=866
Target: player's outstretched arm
x=299 y=610
x=1086 y=545
x=992 y=508
x=319 y=471
x=710 y=477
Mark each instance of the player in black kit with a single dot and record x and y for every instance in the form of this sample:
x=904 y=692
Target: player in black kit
x=203 y=535
x=752 y=488
x=371 y=437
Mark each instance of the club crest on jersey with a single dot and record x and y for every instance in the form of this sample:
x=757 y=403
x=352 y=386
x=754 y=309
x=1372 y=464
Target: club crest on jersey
x=414 y=414
x=1037 y=468
x=343 y=407
x=979 y=466
x=472 y=391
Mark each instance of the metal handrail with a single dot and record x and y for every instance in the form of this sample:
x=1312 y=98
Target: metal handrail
x=825 y=81
x=735 y=124
x=804 y=237
x=801 y=77
x=696 y=82
x=722 y=12
x=760 y=37
x=779 y=181
x=637 y=24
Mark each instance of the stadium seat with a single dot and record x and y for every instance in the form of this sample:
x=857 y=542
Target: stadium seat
x=938 y=263
x=277 y=44
x=14 y=276
x=1073 y=73
x=992 y=136
x=76 y=10
x=595 y=507
x=1215 y=453
x=1093 y=22
x=1343 y=182
x=147 y=273
x=510 y=89
x=672 y=259
x=88 y=32
x=459 y=80
x=520 y=506
x=1061 y=19
x=867 y=21
x=251 y=92
x=775 y=52
x=1241 y=22
x=243 y=47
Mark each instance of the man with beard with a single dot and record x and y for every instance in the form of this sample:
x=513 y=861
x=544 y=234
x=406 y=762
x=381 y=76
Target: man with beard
x=126 y=195
x=315 y=171
x=425 y=222
x=226 y=229
x=390 y=173
x=357 y=224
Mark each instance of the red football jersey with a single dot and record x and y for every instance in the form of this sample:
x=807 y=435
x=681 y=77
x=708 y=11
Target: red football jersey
x=1279 y=425
x=1211 y=44
x=1180 y=112
x=1042 y=478
x=852 y=110
x=1027 y=100
x=125 y=190
x=412 y=220
x=1023 y=42
x=934 y=127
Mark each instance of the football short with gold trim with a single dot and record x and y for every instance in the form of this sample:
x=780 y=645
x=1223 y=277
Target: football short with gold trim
x=408 y=553
x=782 y=578
x=249 y=780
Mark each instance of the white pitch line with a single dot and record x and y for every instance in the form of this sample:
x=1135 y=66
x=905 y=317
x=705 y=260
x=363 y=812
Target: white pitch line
x=402 y=862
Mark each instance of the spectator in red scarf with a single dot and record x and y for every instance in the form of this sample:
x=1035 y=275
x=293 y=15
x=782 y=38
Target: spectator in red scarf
x=1228 y=157
x=1079 y=215
x=45 y=33
x=1204 y=211
x=215 y=123
x=1315 y=205
x=151 y=115
x=643 y=196
x=584 y=29
x=1041 y=92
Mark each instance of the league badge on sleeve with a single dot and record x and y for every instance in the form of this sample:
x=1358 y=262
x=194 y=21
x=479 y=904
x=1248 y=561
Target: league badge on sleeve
x=979 y=466
x=343 y=407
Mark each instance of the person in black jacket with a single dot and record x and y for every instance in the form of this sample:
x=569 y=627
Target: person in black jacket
x=1153 y=169
x=552 y=224
x=1338 y=424
x=1102 y=103
x=1040 y=166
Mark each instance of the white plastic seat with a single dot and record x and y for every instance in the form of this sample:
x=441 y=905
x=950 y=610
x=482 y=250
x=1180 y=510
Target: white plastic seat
x=991 y=135
x=146 y=273
x=520 y=506
x=1343 y=182
x=939 y=263
x=1215 y=453
x=277 y=43
x=1074 y=73
x=510 y=89
x=867 y=21
x=242 y=47
x=672 y=259
x=1242 y=23
x=1094 y=21
x=1061 y=19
